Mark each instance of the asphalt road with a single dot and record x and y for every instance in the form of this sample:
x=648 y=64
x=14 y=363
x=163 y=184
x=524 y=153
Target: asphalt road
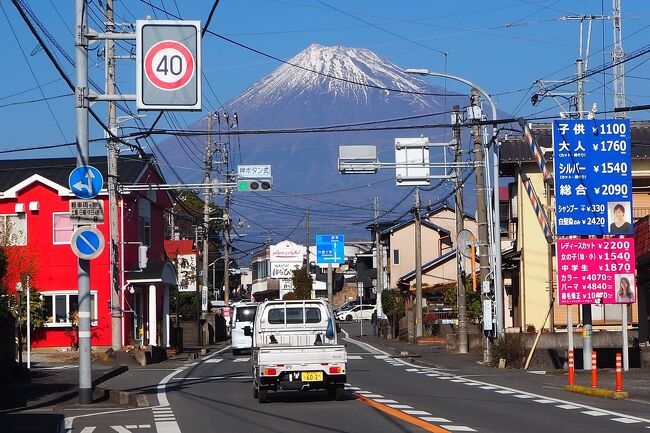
x=385 y=394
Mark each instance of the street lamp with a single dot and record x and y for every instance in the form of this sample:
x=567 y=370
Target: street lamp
x=496 y=223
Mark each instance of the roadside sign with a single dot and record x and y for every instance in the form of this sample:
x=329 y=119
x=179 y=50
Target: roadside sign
x=254 y=171
x=360 y=289
x=593 y=177
x=204 y=298
x=596 y=271
x=412 y=161
x=85 y=181
x=330 y=249
x=87 y=242
x=168 y=65
x=87 y=211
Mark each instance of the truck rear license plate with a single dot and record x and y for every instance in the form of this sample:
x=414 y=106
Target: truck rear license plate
x=312 y=376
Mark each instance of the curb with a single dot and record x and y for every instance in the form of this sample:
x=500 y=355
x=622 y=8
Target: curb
x=128 y=398
x=597 y=392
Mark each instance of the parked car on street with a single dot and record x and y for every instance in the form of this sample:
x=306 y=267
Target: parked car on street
x=243 y=315
x=358 y=312
x=348 y=305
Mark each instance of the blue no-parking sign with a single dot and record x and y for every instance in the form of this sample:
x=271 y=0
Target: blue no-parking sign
x=330 y=249
x=593 y=176
x=87 y=242
x=85 y=181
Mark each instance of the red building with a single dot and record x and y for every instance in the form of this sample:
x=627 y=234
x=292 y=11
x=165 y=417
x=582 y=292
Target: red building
x=36 y=228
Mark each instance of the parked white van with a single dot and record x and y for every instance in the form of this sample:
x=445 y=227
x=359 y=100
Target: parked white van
x=243 y=314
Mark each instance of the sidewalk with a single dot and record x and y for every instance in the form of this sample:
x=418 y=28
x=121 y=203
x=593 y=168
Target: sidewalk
x=636 y=381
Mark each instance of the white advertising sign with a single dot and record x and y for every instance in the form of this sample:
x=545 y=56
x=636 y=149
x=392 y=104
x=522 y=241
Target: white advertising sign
x=287 y=252
x=286 y=286
x=186 y=272
x=284 y=270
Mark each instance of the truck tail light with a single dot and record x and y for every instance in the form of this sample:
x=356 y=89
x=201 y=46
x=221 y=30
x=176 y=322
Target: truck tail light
x=270 y=372
x=335 y=370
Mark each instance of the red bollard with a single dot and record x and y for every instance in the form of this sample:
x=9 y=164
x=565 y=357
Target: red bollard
x=619 y=373
x=572 y=370
x=594 y=371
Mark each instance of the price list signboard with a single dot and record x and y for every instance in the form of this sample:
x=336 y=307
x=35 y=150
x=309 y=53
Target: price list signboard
x=593 y=177
x=595 y=271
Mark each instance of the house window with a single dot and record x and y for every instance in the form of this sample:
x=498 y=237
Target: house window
x=62 y=228
x=13 y=229
x=144 y=221
x=396 y=257
x=61 y=308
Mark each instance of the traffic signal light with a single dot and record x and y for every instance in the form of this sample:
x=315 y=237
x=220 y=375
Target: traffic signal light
x=254 y=184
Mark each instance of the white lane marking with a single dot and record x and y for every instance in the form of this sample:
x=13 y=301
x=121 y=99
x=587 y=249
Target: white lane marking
x=144 y=426
x=88 y=429
x=131 y=426
x=412 y=369
x=524 y=396
x=536 y=372
x=213 y=361
x=373 y=396
x=625 y=420
x=352 y=388
x=541 y=398
x=212 y=377
x=420 y=372
x=385 y=400
x=415 y=412
x=505 y=391
x=545 y=401
x=568 y=406
x=594 y=413
x=434 y=419
x=354 y=357
x=167 y=427
x=458 y=428
x=458 y=380
x=488 y=387
x=362 y=392
x=120 y=429
x=444 y=377
x=241 y=360
x=472 y=384
x=381 y=356
x=400 y=406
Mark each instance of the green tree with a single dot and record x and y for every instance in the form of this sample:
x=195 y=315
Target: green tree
x=392 y=305
x=472 y=300
x=302 y=283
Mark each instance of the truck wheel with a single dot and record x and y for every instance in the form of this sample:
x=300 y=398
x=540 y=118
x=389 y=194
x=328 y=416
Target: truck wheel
x=340 y=393
x=236 y=352
x=255 y=391
x=262 y=395
x=348 y=317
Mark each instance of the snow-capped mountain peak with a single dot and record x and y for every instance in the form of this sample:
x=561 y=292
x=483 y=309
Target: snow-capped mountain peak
x=338 y=71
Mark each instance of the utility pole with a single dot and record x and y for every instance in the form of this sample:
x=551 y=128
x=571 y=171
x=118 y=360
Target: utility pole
x=307 y=240
x=463 y=346
x=207 y=199
x=83 y=266
x=618 y=54
x=113 y=151
x=226 y=249
x=481 y=212
x=418 y=267
x=378 y=259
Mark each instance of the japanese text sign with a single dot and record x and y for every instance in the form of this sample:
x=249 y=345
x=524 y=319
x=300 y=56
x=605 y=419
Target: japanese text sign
x=330 y=249
x=253 y=171
x=595 y=271
x=593 y=177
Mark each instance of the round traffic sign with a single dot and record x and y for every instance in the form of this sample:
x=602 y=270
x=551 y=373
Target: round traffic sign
x=87 y=242
x=169 y=65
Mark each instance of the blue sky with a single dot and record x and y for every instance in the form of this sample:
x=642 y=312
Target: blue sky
x=502 y=45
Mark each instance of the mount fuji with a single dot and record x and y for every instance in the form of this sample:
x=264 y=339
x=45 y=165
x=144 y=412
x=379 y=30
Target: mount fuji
x=296 y=118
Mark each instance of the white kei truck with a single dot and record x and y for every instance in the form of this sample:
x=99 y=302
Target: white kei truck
x=295 y=348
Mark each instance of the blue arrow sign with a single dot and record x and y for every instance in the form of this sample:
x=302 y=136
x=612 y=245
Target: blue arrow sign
x=87 y=242
x=85 y=182
x=330 y=249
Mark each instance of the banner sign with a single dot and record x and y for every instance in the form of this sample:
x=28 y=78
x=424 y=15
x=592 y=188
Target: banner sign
x=593 y=177
x=284 y=270
x=595 y=271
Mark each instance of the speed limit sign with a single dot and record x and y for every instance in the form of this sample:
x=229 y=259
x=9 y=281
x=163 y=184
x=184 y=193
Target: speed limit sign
x=168 y=65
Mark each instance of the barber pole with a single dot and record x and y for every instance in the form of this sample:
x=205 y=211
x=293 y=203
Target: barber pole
x=594 y=372
x=619 y=373
x=572 y=370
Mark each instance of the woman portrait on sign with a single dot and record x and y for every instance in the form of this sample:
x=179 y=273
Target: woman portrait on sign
x=624 y=294
x=619 y=225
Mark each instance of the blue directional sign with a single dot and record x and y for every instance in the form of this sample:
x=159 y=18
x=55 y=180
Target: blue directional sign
x=593 y=177
x=330 y=249
x=85 y=182
x=87 y=242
